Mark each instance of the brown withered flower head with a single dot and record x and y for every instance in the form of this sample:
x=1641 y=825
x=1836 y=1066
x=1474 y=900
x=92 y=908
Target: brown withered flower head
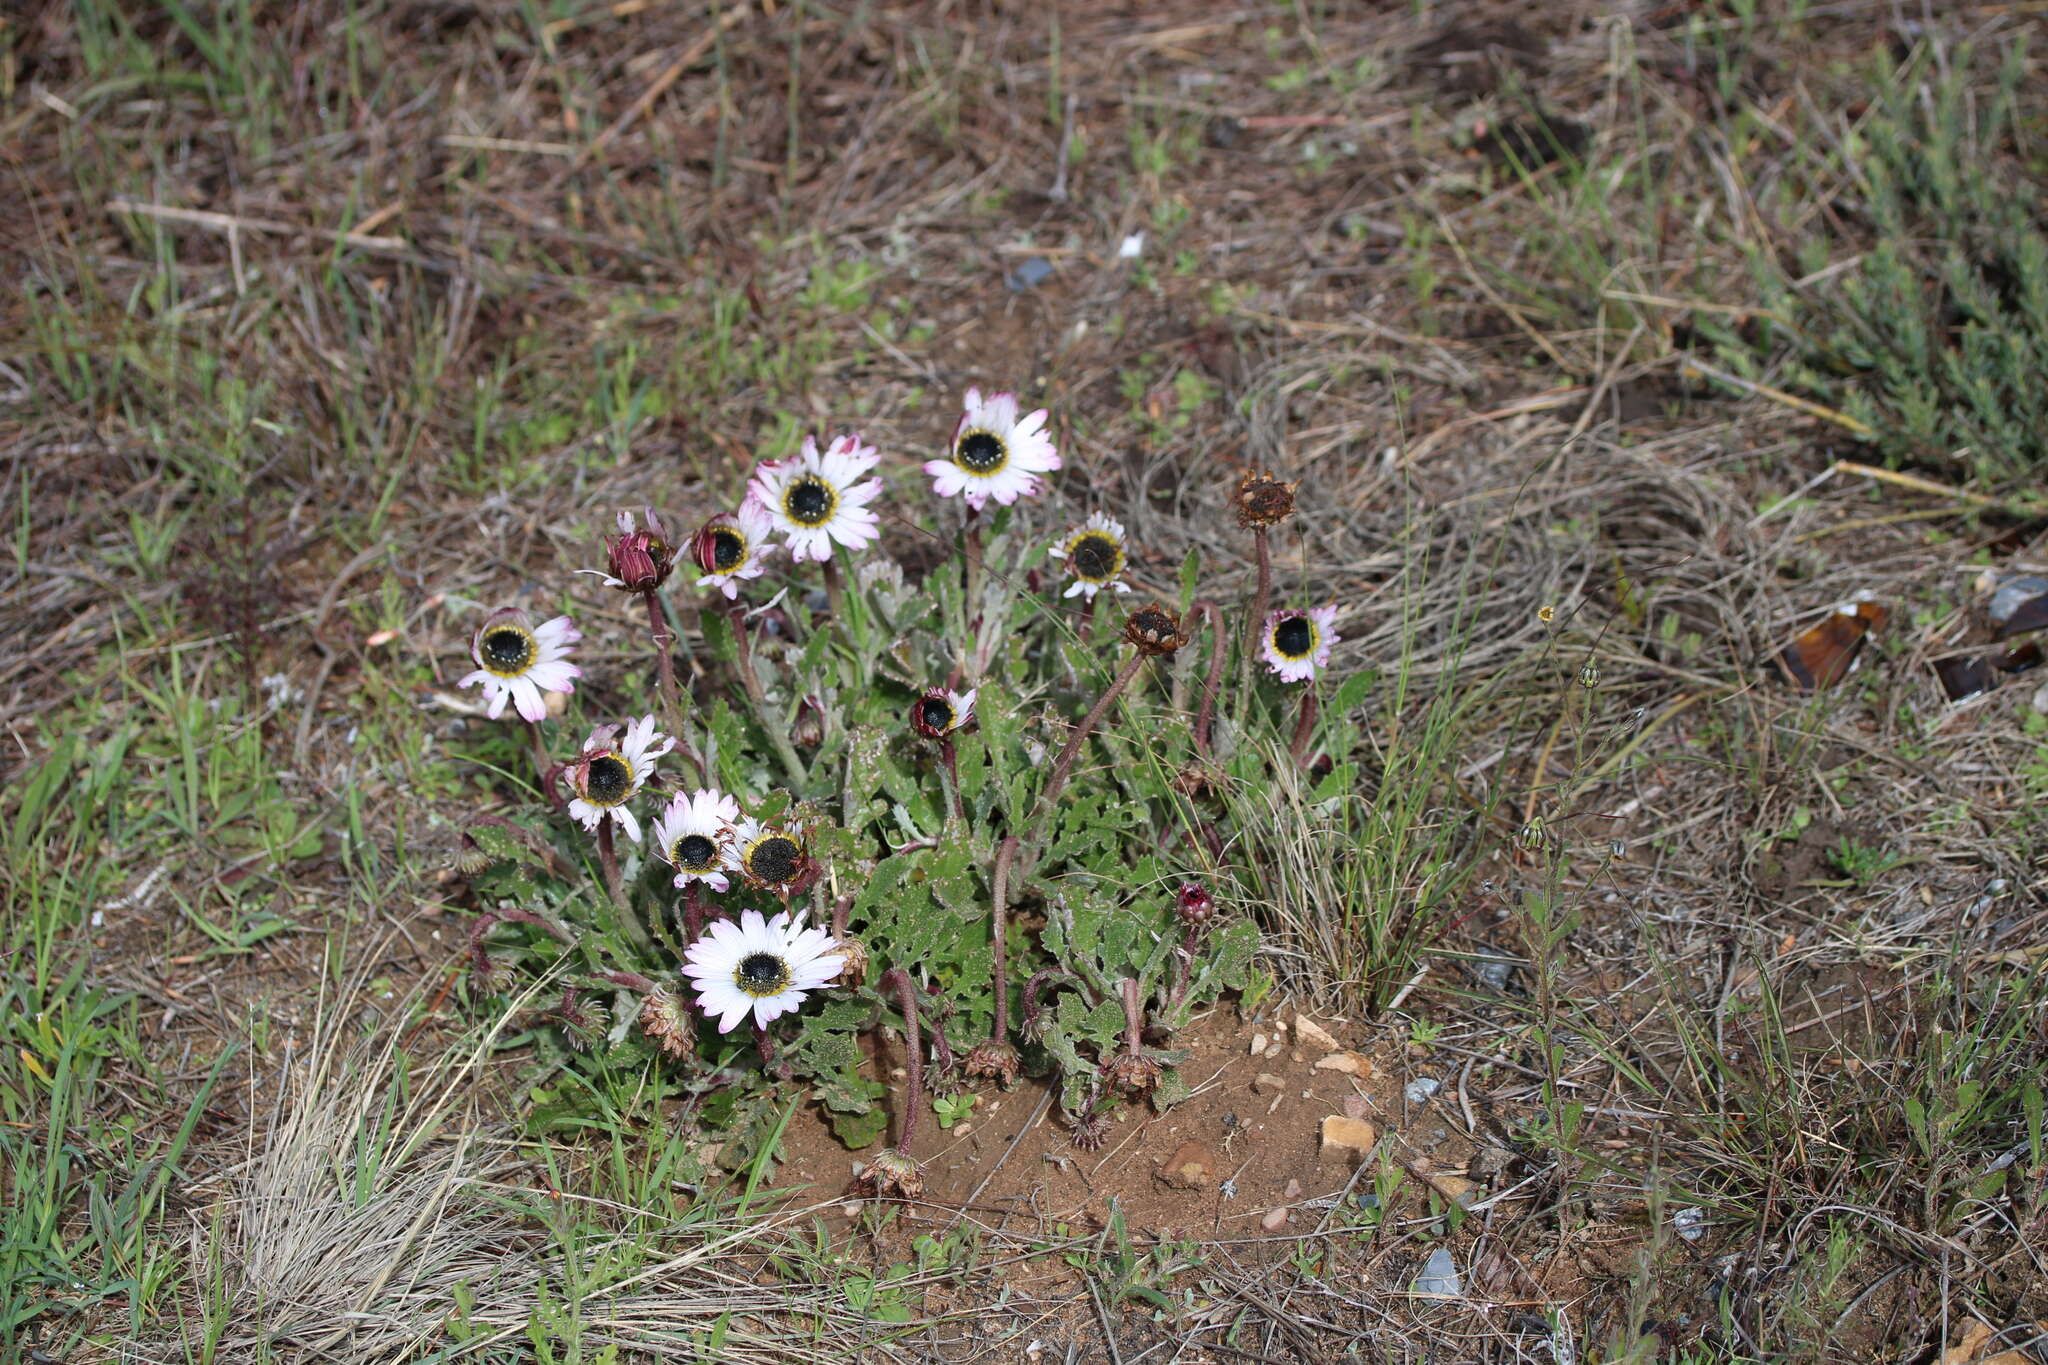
x=1262 y=500
x=1089 y=1132
x=996 y=1060
x=639 y=559
x=1132 y=1073
x=668 y=1019
x=893 y=1172
x=1155 y=630
x=853 y=955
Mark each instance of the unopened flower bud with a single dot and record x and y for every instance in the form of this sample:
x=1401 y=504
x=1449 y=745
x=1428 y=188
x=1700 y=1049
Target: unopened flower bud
x=639 y=560
x=1194 y=905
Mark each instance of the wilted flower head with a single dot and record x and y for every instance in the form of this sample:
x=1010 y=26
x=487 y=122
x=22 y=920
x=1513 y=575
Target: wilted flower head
x=1089 y=1131
x=639 y=560
x=518 y=660
x=893 y=1171
x=816 y=499
x=995 y=1060
x=759 y=967
x=665 y=1017
x=773 y=857
x=1262 y=500
x=1155 y=630
x=995 y=453
x=610 y=772
x=695 y=834
x=939 y=713
x=1132 y=1073
x=1194 y=905
x=1297 y=643
x=1094 y=553
x=732 y=546
x=854 y=957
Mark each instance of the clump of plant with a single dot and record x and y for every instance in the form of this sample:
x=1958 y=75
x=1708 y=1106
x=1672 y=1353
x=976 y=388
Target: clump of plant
x=956 y=818
x=1933 y=341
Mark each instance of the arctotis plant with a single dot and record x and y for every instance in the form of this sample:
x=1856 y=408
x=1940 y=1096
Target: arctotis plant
x=950 y=808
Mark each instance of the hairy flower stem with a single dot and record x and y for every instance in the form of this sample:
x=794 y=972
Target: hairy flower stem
x=693 y=913
x=778 y=733
x=615 y=887
x=1006 y=853
x=664 y=655
x=1256 y=622
x=1219 y=646
x=970 y=553
x=952 y=777
x=898 y=980
x=835 y=592
x=765 y=1045
x=543 y=766
x=1304 y=729
x=1134 y=1014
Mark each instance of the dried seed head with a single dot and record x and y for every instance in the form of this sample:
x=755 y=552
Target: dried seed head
x=1155 y=630
x=1262 y=500
x=996 y=1060
x=667 y=1018
x=854 y=966
x=893 y=1172
x=1133 y=1073
x=1090 y=1131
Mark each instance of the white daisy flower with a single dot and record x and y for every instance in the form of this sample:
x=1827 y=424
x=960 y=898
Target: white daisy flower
x=1297 y=643
x=734 y=546
x=611 y=770
x=995 y=453
x=773 y=857
x=815 y=499
x=939 y=713
x=519 y=660
x=695 y=834
x=762 y=967
x=1094 y=552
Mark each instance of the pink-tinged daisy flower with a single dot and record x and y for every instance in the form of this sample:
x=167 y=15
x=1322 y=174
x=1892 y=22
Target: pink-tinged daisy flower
x=696 y=835
x=816 y=499
x=733 y=546
x=1094 y=553
x=939 y=713
x=995 y=453
x=610 y=772
x=638 y=561
x=1297 y=643
x=760 y=967
x=518 y=660
x=773 y=857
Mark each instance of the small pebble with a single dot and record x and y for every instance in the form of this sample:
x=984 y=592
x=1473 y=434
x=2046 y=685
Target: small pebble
x=1690 y=1223
x=1029 y=274
x=1423 y=1089
x=1493 y=973
x=1274 y=1220
x=1439 y=1275
x=1258 y=1045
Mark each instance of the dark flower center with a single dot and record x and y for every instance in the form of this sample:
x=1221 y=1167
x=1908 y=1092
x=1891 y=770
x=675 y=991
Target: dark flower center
x=980 y=453
x=761 y=974
x=507 y=650
x=1094 y=557
x=728 y=548
x=1294 y=636
x=607 y=779
x=809 y=501
x=775 y=859
x=694 y=852
x=936 y=713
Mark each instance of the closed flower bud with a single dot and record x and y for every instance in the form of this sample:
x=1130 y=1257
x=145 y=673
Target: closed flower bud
x=1089 y=1132
x=1194 y=905
x=639 y=560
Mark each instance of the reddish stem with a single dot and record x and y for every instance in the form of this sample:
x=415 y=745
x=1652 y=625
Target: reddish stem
x=1261 y=597
x=952 y=772
x=1134 y=1014
x=1219 y=646
x=1304 y=728
x=765 y=1045
x=693 y=913
x=898 y=980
